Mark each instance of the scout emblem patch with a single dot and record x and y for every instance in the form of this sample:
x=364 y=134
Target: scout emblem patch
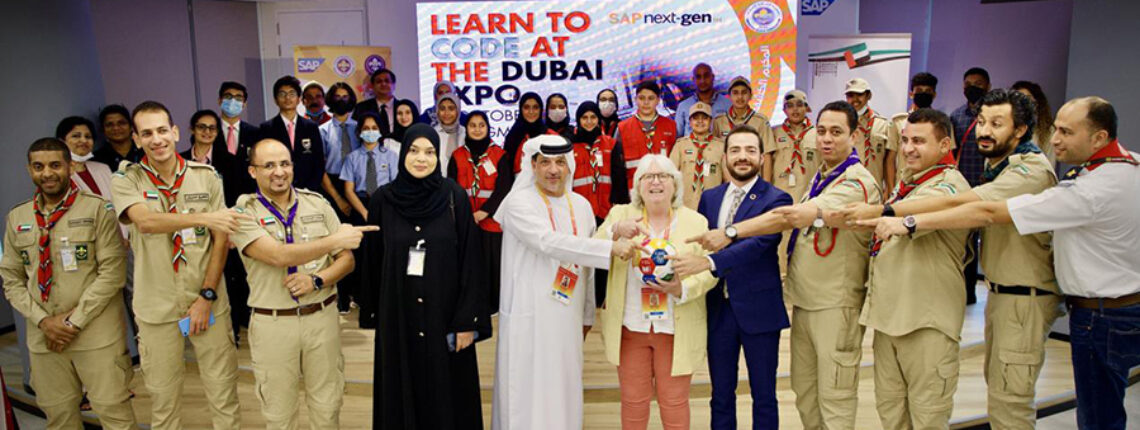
x=80 y=252
x=24 y=257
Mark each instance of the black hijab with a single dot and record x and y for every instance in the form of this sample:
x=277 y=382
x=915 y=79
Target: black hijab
x=477 y=146
x=580 y=134
x=397 y=129
x=522 y=127
x=560 y=127
x=612 y=120
x=417 y=198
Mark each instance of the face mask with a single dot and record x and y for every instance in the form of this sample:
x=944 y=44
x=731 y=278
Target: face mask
x=557 y=115
x=973 y=94
x=370 y=136
x=339 y=106
x=232 y=108
x=82 y=158
x=923 y=100
x=315 y=113
x=607 y=107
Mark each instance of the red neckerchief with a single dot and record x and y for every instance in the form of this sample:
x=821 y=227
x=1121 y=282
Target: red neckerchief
x=44 y=272
x=732 y=124
x=902 y=189
x=170 y=193
x=868 y=150
x=1111 y=153
x=699 y=172
x=797 y=150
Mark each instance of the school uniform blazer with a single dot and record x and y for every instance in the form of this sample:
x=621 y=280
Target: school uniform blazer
x=308 y=150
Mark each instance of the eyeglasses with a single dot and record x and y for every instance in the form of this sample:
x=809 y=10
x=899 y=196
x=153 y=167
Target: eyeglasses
x=233 y=97
x=661 y=177
x=287 y=165
x=287 y=94
x=206 y=128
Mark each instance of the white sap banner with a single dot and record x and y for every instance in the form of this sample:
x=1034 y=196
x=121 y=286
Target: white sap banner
x=882 y=59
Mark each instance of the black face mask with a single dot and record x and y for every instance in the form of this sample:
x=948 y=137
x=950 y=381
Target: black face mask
x=339 y=106
x=923 y=100
x=973 y=94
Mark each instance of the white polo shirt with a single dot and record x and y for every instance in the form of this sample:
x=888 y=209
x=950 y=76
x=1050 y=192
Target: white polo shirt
x=1095 y=220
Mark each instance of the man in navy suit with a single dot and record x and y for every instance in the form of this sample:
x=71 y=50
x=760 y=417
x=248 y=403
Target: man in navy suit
x=298 y=133
x=746 y=309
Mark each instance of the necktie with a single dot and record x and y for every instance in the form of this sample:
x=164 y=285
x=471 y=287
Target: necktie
x=370 y=184
x=385 y=129
x=345 y=143
x=737 y=198
x=231 y=141
x=44 y=271
x=289 y=128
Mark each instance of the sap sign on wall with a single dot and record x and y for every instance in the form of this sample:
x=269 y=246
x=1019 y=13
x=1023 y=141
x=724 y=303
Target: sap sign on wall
x=496 y=51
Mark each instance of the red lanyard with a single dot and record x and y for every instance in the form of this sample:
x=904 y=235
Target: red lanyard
x=868 y=152
x=550 y=212
x=645 y=217
x=962 y=144
x=797 y=150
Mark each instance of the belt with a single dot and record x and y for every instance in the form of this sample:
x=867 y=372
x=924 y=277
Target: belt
x=1102 y=303
x=298 y=311
x=1018 y=290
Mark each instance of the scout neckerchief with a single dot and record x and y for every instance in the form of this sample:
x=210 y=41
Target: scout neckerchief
x=797 y=149
x=732 y=124
x=1111 y=153
x=475 y=182
x=649 y=132
x=701 y=169
x=1027 y=147
x=170 y=193
x=286 y=221
x=818 y=184
x=43 y=272
x=868 y=150
x=902 y=189
x=596 y=161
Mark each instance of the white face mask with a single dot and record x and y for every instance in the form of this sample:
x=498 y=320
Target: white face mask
x=557 y=115
x=82 y=158
x=607 y=107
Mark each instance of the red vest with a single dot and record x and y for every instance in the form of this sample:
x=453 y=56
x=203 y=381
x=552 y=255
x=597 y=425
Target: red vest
x=518 y=157
x=597 y=191
x=635 y=144
x=471 y=170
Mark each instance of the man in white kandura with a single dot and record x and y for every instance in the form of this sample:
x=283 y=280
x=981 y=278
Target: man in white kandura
x=547 y=303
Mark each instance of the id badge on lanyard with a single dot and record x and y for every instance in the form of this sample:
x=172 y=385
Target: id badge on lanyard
x=654 y=305
x=67 y=254
x=565 y=281
x=416 y=257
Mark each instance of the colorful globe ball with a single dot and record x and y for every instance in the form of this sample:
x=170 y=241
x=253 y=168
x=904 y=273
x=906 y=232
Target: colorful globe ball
x=655 y=266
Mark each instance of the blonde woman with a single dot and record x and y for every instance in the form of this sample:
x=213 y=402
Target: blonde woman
x=655 y=332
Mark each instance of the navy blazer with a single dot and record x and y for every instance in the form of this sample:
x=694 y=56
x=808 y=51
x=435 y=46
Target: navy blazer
x=308 y=150
x=749 y=266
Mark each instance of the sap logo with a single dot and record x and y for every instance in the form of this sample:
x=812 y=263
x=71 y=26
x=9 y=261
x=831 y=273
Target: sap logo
x=309 y=65
x=815 y=7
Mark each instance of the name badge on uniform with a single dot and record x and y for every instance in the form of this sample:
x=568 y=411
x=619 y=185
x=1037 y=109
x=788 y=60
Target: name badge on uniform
x=189 y=237
x=654 y=305
x=791 y=179
x=565 y=280
x=489 y=167
x=67 y=254
x=416 y=257
x=598 y=158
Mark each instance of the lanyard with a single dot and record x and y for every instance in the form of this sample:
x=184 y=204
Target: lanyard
x=962 y=144
x=550 y=212
x=287 y=222
x=645 y=218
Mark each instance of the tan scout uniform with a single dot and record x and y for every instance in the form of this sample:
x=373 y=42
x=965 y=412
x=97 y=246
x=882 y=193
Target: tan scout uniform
x=684 y=156
x=1017 y=324
x=163 y=296
x=793 y=180
x=873 y=150
x=894 y=134
x=825 y=286
x=915 y=303
x=721 y=126
x=97 y=359
x=286 y=346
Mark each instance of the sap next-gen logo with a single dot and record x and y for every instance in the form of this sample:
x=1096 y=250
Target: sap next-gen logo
x=681 y=19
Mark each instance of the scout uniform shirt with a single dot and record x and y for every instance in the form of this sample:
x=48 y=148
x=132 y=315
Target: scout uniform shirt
x=828 y=267
x=161 y=294
x=685 y=156
x=873 y=140
x=90 y=233
x=315 y=219
x=894 y=134
x=794 y=159
x=916 y=282
x=721 y=126
x=1007 y=257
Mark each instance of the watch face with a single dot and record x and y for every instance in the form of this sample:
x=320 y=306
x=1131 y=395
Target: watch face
x=818 y=223
x=730 y=231
x=909 y=221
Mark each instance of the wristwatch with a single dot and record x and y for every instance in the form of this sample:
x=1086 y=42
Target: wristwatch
x=888 y=210
x=209 y=294
x=818 y=223
x=730 y=231
x=318 y=282
x=910 y=223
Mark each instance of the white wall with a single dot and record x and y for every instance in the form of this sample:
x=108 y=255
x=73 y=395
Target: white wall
x=1103 y=60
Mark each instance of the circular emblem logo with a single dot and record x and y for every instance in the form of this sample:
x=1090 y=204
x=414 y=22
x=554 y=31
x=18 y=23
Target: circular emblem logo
x=344 y=66
x=373 y=63
x=763 y=16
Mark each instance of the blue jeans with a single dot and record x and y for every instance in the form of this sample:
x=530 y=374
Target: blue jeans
x=1105 y=345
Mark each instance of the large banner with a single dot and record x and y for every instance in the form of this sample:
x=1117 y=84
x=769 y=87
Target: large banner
x=495 y=51
x=329 y=64
x=882 y=59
